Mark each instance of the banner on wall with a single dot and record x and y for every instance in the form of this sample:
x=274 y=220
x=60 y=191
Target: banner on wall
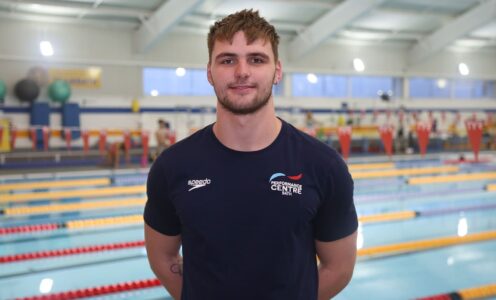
x=87 y=78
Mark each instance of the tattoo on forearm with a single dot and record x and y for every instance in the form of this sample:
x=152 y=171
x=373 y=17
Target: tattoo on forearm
x=177 y=269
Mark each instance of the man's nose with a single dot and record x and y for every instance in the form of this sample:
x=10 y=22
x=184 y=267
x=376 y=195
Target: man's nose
x=242 y=70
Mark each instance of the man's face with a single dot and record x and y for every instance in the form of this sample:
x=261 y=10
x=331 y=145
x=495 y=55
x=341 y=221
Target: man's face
x=242 y=75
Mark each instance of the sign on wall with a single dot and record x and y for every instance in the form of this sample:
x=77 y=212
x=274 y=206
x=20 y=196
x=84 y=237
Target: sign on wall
x=89 y=78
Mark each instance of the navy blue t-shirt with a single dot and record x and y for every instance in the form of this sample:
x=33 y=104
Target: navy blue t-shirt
x=249 y=220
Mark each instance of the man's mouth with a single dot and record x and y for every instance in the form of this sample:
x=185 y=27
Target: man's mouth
x=241 y=86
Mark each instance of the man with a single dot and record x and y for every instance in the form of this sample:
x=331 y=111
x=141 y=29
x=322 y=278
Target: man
x=251 y=199
x=162 y=136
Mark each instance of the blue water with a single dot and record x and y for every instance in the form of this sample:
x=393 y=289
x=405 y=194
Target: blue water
x=405 y=276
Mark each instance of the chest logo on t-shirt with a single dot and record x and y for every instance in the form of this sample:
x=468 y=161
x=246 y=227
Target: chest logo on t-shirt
x=198 y=183
x=285 y=184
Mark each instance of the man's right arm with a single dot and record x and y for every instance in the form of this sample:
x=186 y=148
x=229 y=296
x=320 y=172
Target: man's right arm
x=164 y=259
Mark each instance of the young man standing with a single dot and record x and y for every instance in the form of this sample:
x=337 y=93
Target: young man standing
x=252 y=200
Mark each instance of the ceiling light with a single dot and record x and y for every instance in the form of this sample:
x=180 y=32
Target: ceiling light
x=312 y=78
x=180 y=72
x=463 y=69
x=46 y=48
x=358 y=65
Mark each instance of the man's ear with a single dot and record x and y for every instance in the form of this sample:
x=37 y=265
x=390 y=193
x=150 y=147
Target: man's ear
x=278 y=75
x=209 y=74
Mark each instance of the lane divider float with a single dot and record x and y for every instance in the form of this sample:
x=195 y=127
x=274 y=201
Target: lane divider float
x=89 y=193
x=452 y=178
x=404 y=172
x=54 y=184
x=479 y=292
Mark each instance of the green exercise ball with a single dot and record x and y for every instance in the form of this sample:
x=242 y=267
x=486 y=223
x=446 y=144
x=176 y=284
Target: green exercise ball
x=59 y=91
x=3 y=90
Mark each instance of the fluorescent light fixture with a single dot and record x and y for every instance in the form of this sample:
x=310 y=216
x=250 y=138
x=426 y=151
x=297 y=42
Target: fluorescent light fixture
x=312 y=78
x=463 y=69
x=154 y=93
x=441 y=83
x=46 y=285
x=358 y=65
x=46 y=48
x=180 y=72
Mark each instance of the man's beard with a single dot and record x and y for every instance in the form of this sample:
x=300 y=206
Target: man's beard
x=249 y=108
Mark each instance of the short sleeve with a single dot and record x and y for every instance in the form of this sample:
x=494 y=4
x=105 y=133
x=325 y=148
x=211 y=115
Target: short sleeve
x=336 y=217
x=160 y=213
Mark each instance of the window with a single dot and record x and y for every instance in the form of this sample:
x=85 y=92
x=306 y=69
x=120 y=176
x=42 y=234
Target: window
x=426 y=88
x=375 y=87
x=188 y=82
x=467 y=88
x=165 y=81
x=430 y=88
x=310 y=85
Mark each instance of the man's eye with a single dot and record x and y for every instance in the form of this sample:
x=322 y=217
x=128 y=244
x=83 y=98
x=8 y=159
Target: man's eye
x=257 y=60
x=227 y=61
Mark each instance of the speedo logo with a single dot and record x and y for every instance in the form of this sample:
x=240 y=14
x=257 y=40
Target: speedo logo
x=198 y=183
x=286 y=188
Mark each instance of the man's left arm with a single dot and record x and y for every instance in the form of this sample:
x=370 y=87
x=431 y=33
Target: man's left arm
x=337 y=261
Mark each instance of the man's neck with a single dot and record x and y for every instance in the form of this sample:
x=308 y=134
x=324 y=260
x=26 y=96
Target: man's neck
x=250 y=132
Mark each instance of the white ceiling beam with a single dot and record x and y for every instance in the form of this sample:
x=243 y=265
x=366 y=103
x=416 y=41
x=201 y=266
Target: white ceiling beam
x=459 y=27
x=162 y=21
x=330 y=23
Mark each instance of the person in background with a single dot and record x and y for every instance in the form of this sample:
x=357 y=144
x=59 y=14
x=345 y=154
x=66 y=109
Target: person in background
x=162 y=136
x=252 y=200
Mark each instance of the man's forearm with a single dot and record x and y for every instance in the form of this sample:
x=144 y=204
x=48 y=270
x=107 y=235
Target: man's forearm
x=170 y=274
x=331 y=282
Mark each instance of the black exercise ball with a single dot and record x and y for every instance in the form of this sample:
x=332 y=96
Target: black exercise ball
x=27 y=90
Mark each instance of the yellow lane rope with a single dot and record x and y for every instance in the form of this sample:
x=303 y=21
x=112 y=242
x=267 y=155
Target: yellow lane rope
x=354 y=167
x=109 y=191
x=404 y=172
x=414 y=246
x=52 y=208
x=479 y=292
x=103 y=222
x=54 y=184
x=391 y=216
x=491 y=187
x=452 y=178
x=138 y=219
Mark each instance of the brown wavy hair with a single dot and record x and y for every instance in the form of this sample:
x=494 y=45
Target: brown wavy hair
x=248 y=21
